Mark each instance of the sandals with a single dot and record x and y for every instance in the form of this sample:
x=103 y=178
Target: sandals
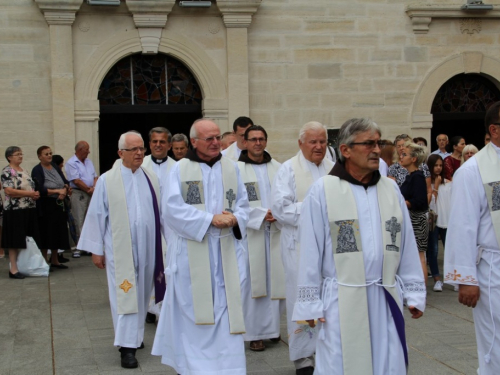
x=257 y=346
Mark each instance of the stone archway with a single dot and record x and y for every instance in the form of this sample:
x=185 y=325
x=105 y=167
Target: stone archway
x=421 y=118
x=212 y=82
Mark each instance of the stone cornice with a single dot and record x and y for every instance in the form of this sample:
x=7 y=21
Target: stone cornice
x=59 y=12
x=150 y=6
x=422 y=14
x=238 y=13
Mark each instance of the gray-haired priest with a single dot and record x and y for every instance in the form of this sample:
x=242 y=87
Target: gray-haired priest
x=359 y=261
x=291 y=184
x=201 y=323
x=124 y=220
x=264 y=287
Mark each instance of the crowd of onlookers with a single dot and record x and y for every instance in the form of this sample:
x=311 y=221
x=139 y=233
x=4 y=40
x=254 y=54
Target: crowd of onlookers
x=426 y=182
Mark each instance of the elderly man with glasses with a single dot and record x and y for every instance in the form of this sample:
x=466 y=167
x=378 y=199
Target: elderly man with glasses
x=358 y=262
x=123 y=232
x=201 y=323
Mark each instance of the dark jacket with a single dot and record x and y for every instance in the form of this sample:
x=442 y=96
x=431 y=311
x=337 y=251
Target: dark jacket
x=414 y=190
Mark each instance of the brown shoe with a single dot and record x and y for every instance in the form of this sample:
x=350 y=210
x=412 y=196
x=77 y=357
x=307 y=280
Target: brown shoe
x=257 y=346
x=276 y=339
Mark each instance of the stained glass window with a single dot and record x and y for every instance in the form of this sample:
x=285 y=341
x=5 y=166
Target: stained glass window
x=158 y=79
x=465 y=93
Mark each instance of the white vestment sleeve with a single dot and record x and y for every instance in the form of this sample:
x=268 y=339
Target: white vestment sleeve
x=463 y=230
x=256 y=217
x=96 y=220
x=184 y=219
x=285 y=208
x=314 y=228
x=410 y=272
x=242 y=207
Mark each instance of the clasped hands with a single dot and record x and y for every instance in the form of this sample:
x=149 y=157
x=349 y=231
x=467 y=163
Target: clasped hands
x=224 y=220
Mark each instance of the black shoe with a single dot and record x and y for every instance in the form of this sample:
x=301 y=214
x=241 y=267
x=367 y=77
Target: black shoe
x=150 y=318
x=62 y=259
x=129 y=360
x=86 y=253
x=60 y=266
x=142 y=346
x=17 y=275
x=305 y=371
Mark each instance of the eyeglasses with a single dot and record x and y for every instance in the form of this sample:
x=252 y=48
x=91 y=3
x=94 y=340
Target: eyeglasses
x=370 y=145
x=48 y=154
x=135 y=149
x=211 y=139
x=255 y=140
x=17 y=154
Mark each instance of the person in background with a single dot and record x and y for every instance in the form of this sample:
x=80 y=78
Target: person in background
x=442 y=142
x=239 y=126
x=453 y=162
x=469 y=151
x=2 y=251
x=228 y=138
x=421 y=142
x=180 y=146
x=52 y=215
x=386 y=158
x=487 y=139
x=414 y=191
x=440 y=205
x=19 y=208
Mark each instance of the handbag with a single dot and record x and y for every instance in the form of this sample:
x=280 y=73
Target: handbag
x=30 y=261
x=433 y=217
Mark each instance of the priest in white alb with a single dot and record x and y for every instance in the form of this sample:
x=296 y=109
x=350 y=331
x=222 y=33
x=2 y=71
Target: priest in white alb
x=472 y=254
x=122 y=230
x=201 y=322
x=264 y=287
x=240 y=125
x=359 y=262
x=291 y=183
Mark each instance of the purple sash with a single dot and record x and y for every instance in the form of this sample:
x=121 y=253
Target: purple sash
x=159 y=275
x=399 y=322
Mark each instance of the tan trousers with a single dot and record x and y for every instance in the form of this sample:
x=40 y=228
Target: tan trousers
x=79 y=205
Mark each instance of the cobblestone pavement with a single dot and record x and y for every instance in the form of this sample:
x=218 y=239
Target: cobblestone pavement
x=62 y=325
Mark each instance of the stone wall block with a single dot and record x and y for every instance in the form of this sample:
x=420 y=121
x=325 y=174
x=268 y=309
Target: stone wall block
x=10 y=101
x=292 y=41
x=262 y=117
x=295 y=71
x=472 y=62
x=263 y=41
x=16 y=52
x=416 y=54
x=324 y=71
x=318 y=55
x=259 y=87
x=399 y=99
x=266 y=101
x=386 y=55
x=329 y=26
x=306 y=100
x=270 y=56
x=337 y=100
x=363 y=70
x=368 y=100
x=387 y=85
x=349 y=40
x=324 y=116
x=267 y=71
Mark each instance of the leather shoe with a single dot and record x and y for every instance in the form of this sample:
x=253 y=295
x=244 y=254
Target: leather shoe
x=17 y=275
x=142 y=346
x=305 y=371
x=62 y=259
x=150 y=318
x=129 y=360
x=60 y=266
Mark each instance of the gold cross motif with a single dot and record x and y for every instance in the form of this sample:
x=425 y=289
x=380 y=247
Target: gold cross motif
x=456 y=275
x=126 y=286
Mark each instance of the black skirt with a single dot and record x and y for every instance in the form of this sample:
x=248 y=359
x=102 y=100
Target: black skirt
x=17 y=224
x=53 y=224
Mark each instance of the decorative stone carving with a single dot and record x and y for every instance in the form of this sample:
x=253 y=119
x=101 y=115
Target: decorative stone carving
x=422 y=14
x=238 y=13
x=470 y=25
x=84 y=26
x=150 y=17
x=59 y=12
x=214 y=28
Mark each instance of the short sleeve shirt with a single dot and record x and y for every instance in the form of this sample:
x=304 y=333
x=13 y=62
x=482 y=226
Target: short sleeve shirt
x=85 y=171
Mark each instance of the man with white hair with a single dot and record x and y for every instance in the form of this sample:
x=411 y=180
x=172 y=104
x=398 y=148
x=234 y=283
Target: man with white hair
x=442 y=142
x=201 y=323
x=291 y=183
x=122 y=231
x=358 y=262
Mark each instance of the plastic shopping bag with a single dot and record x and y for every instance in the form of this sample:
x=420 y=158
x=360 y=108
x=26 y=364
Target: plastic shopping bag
x=30 y=261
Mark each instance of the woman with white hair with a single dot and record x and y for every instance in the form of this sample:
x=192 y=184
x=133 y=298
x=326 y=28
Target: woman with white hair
x=469 y=151
x=414 y=191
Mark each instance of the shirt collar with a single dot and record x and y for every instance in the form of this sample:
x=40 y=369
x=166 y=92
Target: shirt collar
x=193 y=156
x=159 y=161
x=246 y=159
x=339 y=171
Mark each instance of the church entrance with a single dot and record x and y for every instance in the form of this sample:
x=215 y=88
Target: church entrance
x=460 y=106
x=141 y=92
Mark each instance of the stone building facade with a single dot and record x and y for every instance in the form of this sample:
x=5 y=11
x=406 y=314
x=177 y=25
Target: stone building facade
x=281 y=62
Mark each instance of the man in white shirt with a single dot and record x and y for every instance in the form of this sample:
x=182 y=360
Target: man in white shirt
x=290 y=186
x=239 y=126
x=472 y=255
x=442 y=142
x=159 y=162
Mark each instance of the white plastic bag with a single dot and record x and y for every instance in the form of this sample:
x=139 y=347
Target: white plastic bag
x=30 y=261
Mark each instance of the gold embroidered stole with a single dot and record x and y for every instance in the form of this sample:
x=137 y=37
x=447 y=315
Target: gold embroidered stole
x=198 y=256
x=350 y=269
x=256 y=239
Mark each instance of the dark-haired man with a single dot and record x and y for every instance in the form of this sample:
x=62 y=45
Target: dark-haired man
x=239 y=126
x=264 y=287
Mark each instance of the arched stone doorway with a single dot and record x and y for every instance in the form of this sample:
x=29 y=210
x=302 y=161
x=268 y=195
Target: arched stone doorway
x=141 y=92
x=459 y=108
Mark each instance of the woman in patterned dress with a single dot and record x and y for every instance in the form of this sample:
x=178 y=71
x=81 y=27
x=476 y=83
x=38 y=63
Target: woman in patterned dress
x=414 y=191
x=19 y=217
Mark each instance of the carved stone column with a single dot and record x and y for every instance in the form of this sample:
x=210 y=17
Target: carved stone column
x=237 y=16
x=60 y=15
x=150 y=17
